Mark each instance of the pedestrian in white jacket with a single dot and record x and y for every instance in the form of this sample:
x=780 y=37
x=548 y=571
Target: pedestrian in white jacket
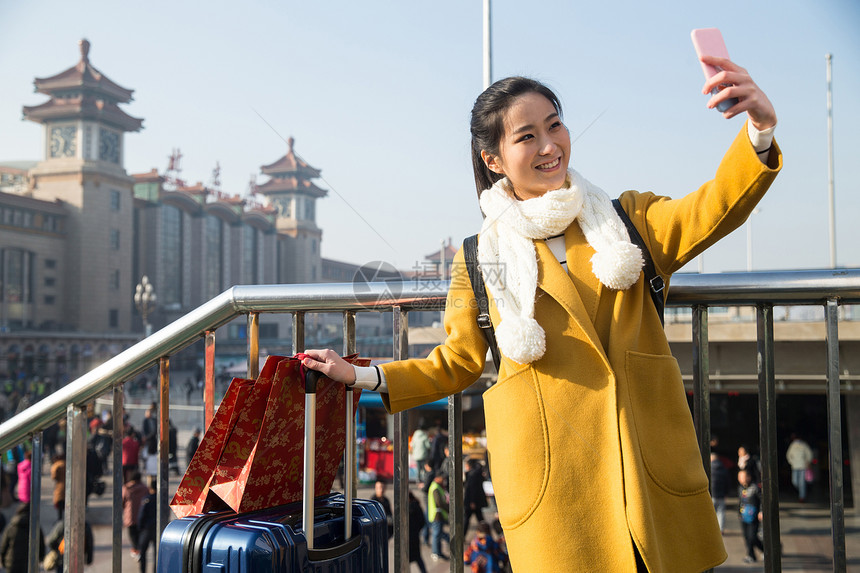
x=799 y=456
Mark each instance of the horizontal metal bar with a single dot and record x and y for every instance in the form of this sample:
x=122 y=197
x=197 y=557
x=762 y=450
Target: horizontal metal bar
x=782 y=287
x=811 y=377
x=789 y=287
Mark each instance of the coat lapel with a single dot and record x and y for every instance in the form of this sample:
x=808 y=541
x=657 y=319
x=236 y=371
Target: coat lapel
x=578 y=254
x=554 y=281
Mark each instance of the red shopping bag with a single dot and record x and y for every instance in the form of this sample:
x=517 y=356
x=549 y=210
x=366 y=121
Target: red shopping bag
x=244 y=433
x=192 y=495
x=272 y=472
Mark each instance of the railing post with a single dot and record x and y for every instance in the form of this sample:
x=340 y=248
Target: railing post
x=349 y=462
x=209 y=379
x=834 y=436
x=767 y=439
x=456 y=513
x=163 y=507
x=117 y=433
x=253 y=344
x=401 y=453
x=298 y=332
x=35 y=502
x=76 y=489
x=701 y=384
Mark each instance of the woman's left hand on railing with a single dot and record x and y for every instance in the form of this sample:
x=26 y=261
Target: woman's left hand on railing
x=331 y=364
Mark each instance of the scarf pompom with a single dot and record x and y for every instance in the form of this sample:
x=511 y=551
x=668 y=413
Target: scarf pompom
x=521 y=339
x=618 y=266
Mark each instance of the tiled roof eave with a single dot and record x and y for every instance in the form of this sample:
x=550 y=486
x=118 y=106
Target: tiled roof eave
x=83 y=76
x=277 y=186
x=110 y=114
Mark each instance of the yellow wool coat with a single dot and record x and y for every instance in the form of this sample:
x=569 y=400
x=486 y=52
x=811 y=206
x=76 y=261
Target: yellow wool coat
x=592 y=447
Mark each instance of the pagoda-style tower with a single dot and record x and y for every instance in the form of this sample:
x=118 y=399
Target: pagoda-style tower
x=291 y=191
x=82 y=165
x=82 y=118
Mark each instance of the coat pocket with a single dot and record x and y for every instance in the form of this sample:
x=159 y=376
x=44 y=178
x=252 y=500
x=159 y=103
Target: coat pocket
x=517 y=441
x=664 y=425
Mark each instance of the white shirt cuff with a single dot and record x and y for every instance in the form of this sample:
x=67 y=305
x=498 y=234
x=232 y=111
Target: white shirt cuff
x=760 y=140
x=365 y=379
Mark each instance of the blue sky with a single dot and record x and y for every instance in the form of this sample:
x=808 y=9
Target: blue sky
x=378 y=94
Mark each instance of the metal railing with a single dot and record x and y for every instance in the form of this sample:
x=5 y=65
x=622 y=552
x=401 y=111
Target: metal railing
x=762 y=290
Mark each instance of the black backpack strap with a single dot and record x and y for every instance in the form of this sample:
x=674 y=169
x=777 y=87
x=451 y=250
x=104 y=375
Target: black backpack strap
x=470 y=252
x=655 y=281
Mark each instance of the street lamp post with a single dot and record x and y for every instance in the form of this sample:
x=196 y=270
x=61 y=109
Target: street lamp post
x=488 y=45
x=830 y=182
x=145 y=300
x=749 y=240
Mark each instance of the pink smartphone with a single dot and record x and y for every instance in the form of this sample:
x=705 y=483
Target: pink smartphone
x=709 y=41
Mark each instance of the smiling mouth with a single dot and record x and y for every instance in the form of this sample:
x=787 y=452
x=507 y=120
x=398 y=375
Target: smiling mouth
x=549 y=166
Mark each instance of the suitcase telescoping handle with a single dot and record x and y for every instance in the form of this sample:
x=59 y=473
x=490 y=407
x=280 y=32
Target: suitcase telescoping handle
x=348 y=466
x=311 y=379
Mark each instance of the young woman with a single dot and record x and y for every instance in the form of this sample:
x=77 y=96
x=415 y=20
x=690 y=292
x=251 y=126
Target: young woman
x=591 y=443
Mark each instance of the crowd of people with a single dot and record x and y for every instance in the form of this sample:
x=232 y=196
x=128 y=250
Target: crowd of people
x=748 y=469
x=20 y=390
x=486 y=551
x=139 y=469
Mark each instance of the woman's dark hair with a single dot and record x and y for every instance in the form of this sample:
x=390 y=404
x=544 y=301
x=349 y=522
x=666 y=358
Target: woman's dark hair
x=488 y=126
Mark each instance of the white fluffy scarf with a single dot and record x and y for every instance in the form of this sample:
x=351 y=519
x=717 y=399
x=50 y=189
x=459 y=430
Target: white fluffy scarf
x=508 y=260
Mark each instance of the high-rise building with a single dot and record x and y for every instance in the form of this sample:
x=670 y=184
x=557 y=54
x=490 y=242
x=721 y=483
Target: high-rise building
x=193 y=243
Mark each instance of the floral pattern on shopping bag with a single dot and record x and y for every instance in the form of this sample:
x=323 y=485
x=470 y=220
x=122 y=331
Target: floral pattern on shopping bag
x=273 y=472
x=240 y=444
x=192 y=495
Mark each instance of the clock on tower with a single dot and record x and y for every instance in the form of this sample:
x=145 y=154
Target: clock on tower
x=108 y=145
x=63 y=141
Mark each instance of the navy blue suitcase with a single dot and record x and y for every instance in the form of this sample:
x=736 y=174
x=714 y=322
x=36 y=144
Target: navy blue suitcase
x=273 y=540
x=348 y=535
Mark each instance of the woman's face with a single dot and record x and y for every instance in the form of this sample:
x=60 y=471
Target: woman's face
x=535 y=149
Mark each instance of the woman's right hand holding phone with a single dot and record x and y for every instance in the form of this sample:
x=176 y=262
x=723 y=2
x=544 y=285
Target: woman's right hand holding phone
x=738 y=84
